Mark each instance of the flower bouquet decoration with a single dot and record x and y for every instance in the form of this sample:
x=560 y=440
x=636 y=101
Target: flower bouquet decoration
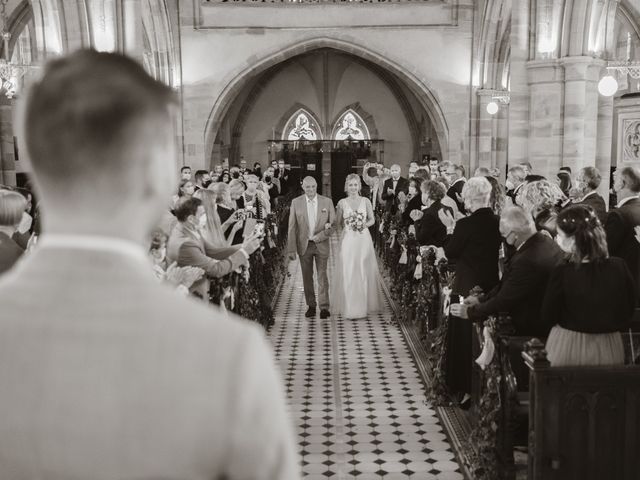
x=183 y=277
x=356 y=221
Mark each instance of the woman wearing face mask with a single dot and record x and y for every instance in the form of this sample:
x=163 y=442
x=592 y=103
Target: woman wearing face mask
x=590 y=299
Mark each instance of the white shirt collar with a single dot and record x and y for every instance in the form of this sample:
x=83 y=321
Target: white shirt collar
x=98 y=243
x=311 y=200
x=626 y=200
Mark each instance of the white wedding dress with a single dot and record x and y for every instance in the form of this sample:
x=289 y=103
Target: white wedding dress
x=354 y=286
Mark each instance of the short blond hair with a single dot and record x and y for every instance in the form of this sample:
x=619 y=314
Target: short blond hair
x=12 y=206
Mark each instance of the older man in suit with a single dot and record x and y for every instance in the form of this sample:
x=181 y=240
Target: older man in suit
x=394 y=188
x=106 y=373
x=455 y=175
x=587 y=183
x=311 y=220
x=622 y=220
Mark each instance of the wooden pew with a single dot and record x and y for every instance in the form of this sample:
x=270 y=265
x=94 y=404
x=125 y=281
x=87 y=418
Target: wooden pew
x=584 y=422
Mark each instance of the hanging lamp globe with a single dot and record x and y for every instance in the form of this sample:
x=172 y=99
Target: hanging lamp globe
x=607 y=86
x=492 y=108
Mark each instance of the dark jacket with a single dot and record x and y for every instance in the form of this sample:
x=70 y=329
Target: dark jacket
x=473 y=247
x=414 y=204
x=10 y=252
x=522 y=289
x=596 y=202
x=429 y=229
x=621 y=236
x=454 y=189
x=392 y=199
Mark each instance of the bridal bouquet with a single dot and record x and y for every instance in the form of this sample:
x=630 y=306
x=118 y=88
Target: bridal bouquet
x=356 y=221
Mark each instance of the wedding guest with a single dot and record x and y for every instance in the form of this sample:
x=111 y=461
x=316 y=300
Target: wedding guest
x=622 y=220
x=393 y=187
x=537 y=195
x=482 y=172
x=564 y=181
x=255 y=200
x=413 y=167
x=429 y=228
x=202 y=179
x=158 y=252
x=515 y=181
x=185 y=173
x=188 y=247
x=524 y=282
x=472 y=243
x=447 y=201
x=271 y=186
x=12 y=208
x=498 y=198
x=371 y=179
x=227 y=208
x=455 y=175
x=156 y=382
x=236 y=190
x=528 y=169
x=413 y=200
x=257 y=169
x=587 y=183
x=225 y=177
x=214 y=231
x=186 y=189
x=590 y=299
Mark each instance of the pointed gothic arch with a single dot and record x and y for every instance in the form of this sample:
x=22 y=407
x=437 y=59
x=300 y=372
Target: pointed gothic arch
x=350 y=125
x=300 y=123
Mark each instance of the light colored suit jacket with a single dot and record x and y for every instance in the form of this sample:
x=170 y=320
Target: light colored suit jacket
x=298 y=238
x=189 y=250
x=107 y=374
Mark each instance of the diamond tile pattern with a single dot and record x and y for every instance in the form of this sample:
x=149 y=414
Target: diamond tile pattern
x=356 y=397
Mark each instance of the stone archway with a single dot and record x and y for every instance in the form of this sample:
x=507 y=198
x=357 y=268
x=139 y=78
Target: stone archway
x=241 y=79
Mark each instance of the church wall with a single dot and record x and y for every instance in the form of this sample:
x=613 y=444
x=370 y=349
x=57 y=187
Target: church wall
x=433 y=54
x=297 y=84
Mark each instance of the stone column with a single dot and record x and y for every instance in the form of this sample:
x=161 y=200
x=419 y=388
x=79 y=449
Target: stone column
x=580 y=111
x=546 y=122
x=484 y=132
x=7 y=153
x=501 y=137
x=604 y=143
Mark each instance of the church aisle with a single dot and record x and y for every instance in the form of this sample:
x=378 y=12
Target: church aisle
x=356 y=397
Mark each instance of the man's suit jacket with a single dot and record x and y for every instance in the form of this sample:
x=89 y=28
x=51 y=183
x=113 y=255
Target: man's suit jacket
x=107 y=373
x=523 y=286
x=189 y=250
x=454 y=189
x=392 y=200
x=473 y=247
x=429 y=229
x=10 y=252
x=621 y=236
x=596 y=202
x=298 y=238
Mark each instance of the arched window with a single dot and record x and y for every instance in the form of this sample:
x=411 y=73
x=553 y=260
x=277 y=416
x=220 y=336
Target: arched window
x=350 y=126
x=301 y=126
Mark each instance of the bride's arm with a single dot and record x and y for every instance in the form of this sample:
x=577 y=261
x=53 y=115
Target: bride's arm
x=370 y=218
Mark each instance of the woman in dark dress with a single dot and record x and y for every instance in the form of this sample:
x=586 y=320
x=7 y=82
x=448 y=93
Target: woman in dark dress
x=590 y=299
x=429 y=228
x=226 y=212
x=472 y=244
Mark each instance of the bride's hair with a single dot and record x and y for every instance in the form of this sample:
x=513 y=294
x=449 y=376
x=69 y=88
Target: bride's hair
x=351 y=177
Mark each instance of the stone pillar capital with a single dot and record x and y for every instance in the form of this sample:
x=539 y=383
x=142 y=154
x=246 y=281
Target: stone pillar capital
x=544 y=71
x=582 y=68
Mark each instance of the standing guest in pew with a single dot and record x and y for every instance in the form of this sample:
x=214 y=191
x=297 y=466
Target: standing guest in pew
x=622 y=220
x=590 y=299
x=523 y=286
x=105 y=373
x=472 y=244
x=12 y=207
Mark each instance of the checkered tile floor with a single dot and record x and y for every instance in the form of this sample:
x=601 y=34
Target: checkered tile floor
x=356 y=397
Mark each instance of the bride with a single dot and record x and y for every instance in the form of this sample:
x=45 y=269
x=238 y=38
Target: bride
x=354 y=287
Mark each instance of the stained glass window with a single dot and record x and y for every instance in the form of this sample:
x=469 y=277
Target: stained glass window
x=350 y=126
x=301 y=126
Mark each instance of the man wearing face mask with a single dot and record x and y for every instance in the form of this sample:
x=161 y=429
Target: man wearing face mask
x=622 y=220
x=523 y=285
x=202 y=179
x=394 y=187
x=515 y=181
x=187 y=247
x=587 y=183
